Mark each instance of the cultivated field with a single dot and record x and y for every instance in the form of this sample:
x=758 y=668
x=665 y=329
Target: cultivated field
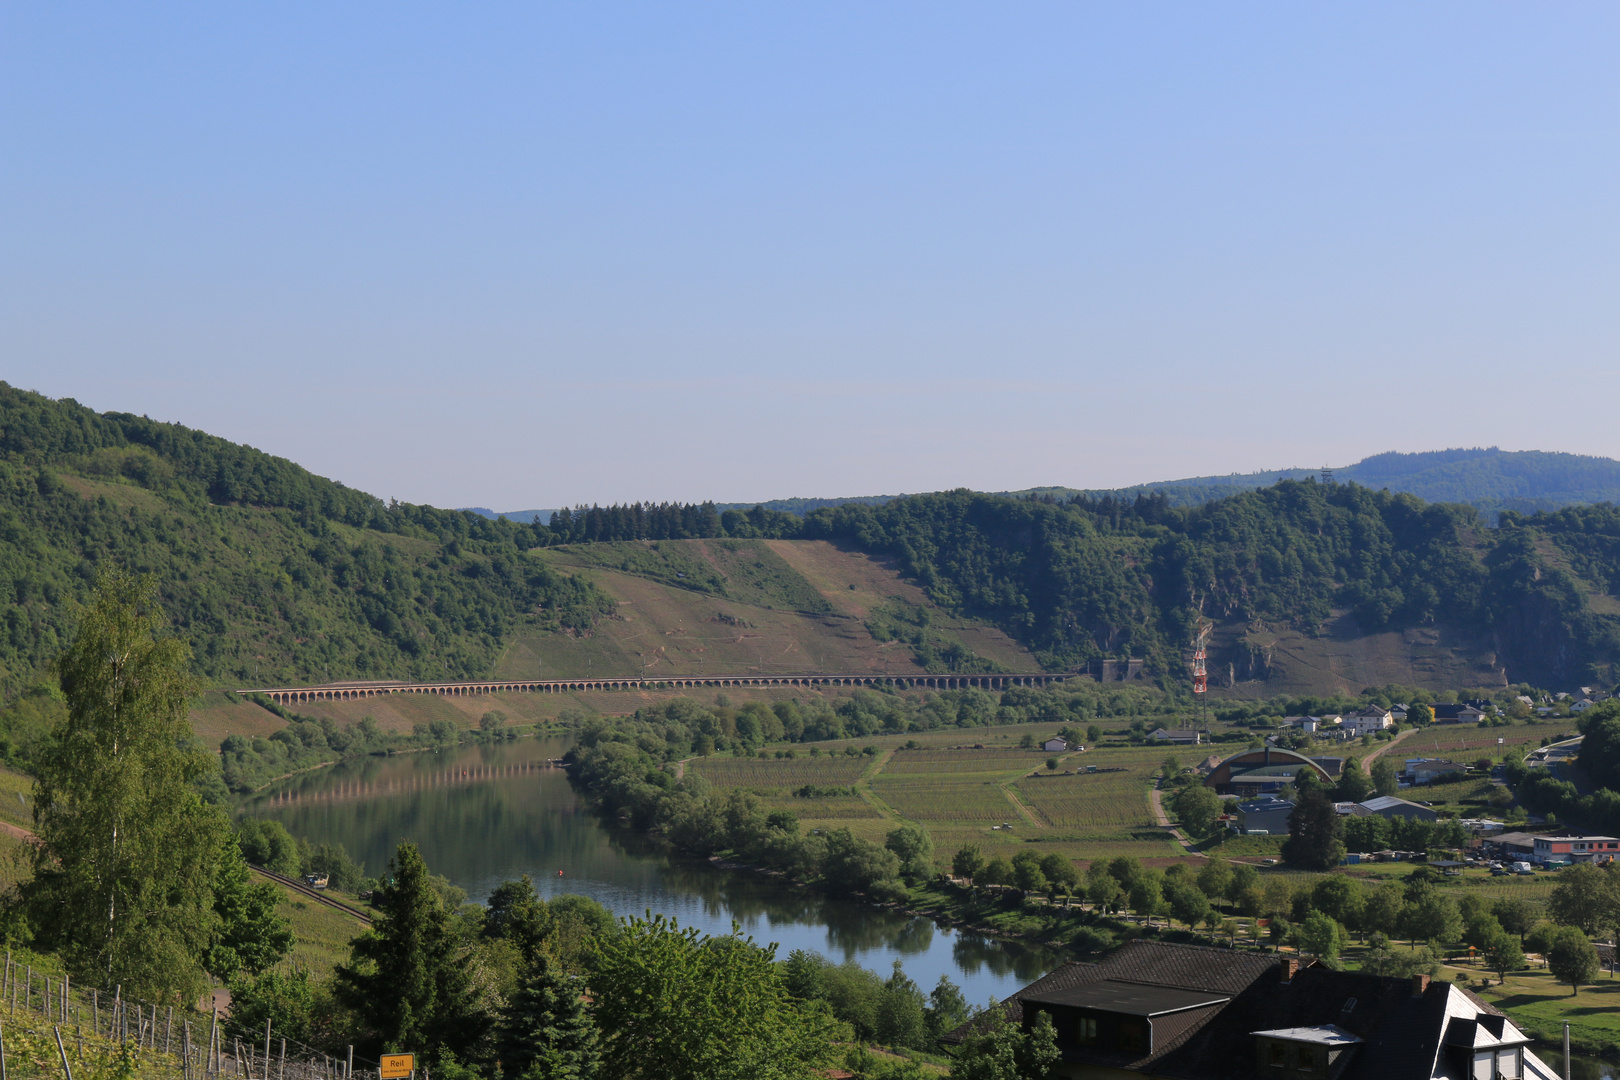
x=756 y=773
x=967 y=795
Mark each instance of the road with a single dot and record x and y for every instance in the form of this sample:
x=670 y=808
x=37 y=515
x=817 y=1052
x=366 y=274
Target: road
x=1156 y=801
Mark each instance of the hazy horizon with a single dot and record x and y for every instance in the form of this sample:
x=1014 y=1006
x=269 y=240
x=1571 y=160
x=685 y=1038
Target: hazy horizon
x=526 y=257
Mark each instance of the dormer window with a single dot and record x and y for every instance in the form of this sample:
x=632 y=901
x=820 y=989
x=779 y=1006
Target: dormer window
x=1279 y=1055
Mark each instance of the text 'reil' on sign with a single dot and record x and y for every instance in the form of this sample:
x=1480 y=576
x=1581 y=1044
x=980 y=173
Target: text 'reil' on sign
x=396 y=1066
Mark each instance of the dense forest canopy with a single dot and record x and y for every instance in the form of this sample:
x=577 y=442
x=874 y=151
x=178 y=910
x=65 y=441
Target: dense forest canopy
x=276 y=574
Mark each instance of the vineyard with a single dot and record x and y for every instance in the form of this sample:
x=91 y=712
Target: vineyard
x=788 y=773
x=998 y=796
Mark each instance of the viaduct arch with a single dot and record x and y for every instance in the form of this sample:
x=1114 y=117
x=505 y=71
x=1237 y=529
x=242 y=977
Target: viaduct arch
x=291 y=695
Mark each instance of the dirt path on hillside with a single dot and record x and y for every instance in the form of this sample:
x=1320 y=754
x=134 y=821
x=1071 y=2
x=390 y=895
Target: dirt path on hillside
x=863 y=786
x=16 y=832
x=1162 y=819
x=1017 y=803
x=1386 y=747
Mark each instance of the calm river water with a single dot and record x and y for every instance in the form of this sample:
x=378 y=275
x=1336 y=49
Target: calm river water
x=486 y=814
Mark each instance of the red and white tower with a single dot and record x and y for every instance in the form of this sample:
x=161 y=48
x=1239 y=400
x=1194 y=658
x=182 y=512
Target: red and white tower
x=1200 y=671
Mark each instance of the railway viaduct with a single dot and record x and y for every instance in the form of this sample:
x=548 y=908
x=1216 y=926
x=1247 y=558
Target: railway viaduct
x=289 y=695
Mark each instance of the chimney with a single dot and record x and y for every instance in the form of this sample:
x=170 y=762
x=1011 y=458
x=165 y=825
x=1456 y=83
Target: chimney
x=1420 y=983
x=1290 y=968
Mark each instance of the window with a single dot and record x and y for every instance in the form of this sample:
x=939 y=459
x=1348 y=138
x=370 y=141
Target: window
x=1484 y=1065
x=1279 y=1055
x=1085 y=1030
x=1509 y=1063
x=1133 y=1035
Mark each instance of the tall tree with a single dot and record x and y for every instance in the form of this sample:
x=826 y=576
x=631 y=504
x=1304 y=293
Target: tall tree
x=1197 y=807
x=406 y=977
x=1353 y=785
x=1572 y=959
x=544 y=1032
x=124 y=871
x=1587 y=896
x=252 y=937
x=1313 y=832
x=676 y=1005
x=1385 y=777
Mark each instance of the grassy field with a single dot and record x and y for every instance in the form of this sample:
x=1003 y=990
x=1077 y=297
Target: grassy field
x=322 y=933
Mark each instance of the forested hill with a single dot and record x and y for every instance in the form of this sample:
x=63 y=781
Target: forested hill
x=1490 y=480
x=271 y=572
x=277 y=575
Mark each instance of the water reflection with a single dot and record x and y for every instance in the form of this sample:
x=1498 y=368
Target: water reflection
x=486 y=814
x=1580 y=1068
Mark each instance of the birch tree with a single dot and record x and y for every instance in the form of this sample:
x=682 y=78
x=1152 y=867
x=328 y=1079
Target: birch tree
x=123 y=872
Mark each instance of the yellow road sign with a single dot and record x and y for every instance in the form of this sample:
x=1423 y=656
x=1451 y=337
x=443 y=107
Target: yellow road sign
x=396 y=1066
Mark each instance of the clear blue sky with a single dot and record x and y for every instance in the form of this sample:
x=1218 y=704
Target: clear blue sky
x=522 y=255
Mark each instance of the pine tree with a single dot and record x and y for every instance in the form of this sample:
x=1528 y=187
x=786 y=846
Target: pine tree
x=545 y=1032
x=406 y=976
x=124 y=872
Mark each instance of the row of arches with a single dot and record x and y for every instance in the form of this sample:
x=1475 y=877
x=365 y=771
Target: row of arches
x=300 y=694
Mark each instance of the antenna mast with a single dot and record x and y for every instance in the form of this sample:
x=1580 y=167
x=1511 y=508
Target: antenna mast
x=1200 y=672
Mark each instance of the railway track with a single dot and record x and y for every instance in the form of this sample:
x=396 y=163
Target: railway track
x=314 y=894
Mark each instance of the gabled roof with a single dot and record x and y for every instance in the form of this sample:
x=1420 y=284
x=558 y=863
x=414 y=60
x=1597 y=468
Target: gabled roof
x=1401 y=1033
x=1221 y=972
x=1388 y=802
x=1389 y=1029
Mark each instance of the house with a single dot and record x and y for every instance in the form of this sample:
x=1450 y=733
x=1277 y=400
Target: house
x=1428 y=770
x=1512 y=845
x=1306 y=724
x=1368 y=721
x=1267 y=816
x=1055 y=746
x=1582 y=705
x=1391 y=807
x=1178 y=736
x=1193 y=1013
x=1397 y=712
x=1457 y=714
x=1267 y=770
x=1562 y=850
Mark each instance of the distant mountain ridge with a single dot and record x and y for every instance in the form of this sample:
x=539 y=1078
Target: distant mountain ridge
x=1491 y=480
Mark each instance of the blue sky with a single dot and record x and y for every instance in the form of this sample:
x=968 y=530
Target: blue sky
x=527 y=255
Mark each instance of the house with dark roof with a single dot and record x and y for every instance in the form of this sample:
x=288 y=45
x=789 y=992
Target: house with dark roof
x=1186 y=1012
x=1265 y=816
x=1178 y=736
x=1457 y=714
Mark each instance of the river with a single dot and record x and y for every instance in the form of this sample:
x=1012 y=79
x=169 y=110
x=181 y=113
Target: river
x=487 y=814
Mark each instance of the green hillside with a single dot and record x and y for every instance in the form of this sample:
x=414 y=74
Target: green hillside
x=279 y=576
x=274 y=575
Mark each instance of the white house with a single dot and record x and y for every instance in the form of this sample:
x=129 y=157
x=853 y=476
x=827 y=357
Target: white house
x=1180 y=736
x=1367 y=721
x=1055 y=746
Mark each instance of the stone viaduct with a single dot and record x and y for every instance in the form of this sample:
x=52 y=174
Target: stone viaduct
x=289 y=695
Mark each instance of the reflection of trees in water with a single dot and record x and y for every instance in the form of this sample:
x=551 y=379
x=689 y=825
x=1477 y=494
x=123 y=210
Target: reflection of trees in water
x=973 y=952
x=1580 y=1068
x=477 y=820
